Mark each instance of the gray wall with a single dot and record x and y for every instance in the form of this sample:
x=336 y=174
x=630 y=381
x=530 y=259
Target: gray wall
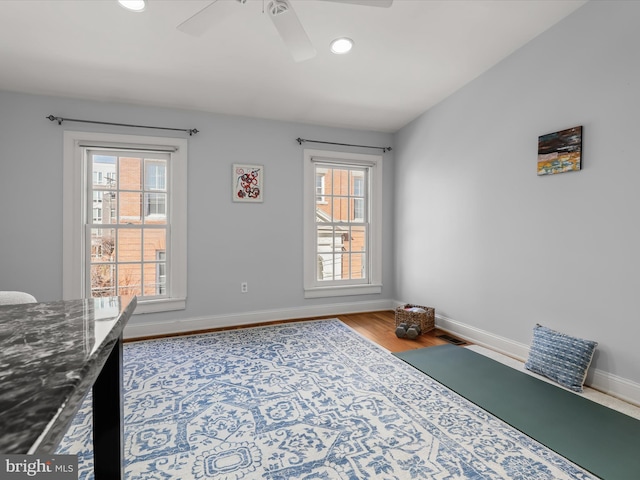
x=495 y=247
x=227 y=242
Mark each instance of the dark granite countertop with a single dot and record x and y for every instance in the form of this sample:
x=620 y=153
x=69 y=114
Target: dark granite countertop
x=50 y=355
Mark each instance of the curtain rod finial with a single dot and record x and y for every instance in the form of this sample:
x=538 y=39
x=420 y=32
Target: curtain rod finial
x=53 y=119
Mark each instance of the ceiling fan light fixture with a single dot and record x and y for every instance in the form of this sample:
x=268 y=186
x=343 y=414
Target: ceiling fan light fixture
x=341 y=45
x=133 y=5
x=278 y=7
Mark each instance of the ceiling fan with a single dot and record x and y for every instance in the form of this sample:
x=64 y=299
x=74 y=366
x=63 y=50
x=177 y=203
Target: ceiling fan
x=282 y=15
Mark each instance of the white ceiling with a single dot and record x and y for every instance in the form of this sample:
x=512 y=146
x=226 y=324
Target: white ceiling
x=406 y=58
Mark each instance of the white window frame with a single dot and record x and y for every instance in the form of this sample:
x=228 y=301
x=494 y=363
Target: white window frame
x=313 y=288
x=74 y=256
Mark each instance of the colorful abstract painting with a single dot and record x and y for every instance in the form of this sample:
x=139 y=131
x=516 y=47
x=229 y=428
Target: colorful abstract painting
x=247 y=183
x=560 y=152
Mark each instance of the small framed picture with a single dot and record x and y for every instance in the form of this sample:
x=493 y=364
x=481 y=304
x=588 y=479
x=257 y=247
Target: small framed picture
x=248 y=183
x=560 y=152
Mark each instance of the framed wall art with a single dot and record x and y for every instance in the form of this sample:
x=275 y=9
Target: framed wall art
x=560 y=152
x=248 y=183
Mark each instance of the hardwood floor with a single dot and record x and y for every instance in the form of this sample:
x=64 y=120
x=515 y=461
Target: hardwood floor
x=378 y=327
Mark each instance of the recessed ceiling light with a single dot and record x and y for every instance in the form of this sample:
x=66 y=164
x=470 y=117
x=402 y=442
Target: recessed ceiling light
x=341 y=45
x=133 y=5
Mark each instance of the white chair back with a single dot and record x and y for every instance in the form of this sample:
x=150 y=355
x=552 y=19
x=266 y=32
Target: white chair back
x=11 y=298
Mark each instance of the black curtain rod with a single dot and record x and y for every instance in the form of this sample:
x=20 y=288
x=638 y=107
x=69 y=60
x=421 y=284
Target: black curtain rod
x=302 y=140
x=190 y=131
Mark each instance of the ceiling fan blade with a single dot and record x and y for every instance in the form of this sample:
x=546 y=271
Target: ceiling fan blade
x=290 y=29
x=206 y=18
x=369 y=3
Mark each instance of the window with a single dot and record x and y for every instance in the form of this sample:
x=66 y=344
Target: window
x=132 y=239
x=125 y=219
x=342 y=224
x=161 y=272
x=358 y=198
x=97 y=215
x=156 y=175
x=320 y=186
x=155 y=204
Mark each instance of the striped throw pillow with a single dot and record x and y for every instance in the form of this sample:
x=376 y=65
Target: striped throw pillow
x=559 y=357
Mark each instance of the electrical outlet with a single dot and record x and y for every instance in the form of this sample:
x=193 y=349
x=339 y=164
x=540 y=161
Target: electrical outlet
x=244 y=287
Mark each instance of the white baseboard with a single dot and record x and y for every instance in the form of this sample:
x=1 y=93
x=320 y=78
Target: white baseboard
x=616 y=386
x=600 y=380
x=513 y=349
x=137 y=328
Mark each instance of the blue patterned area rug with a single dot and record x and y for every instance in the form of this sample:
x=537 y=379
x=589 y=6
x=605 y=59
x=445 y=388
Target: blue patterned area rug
x=307 y=400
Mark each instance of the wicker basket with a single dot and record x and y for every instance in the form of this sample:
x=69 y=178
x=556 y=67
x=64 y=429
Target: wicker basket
x=427 y=320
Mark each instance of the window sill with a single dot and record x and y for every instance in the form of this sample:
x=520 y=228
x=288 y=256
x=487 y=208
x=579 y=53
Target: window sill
x=161 y=305
x=342 y=291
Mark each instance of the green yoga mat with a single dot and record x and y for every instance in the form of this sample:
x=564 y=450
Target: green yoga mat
x=601 y=440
